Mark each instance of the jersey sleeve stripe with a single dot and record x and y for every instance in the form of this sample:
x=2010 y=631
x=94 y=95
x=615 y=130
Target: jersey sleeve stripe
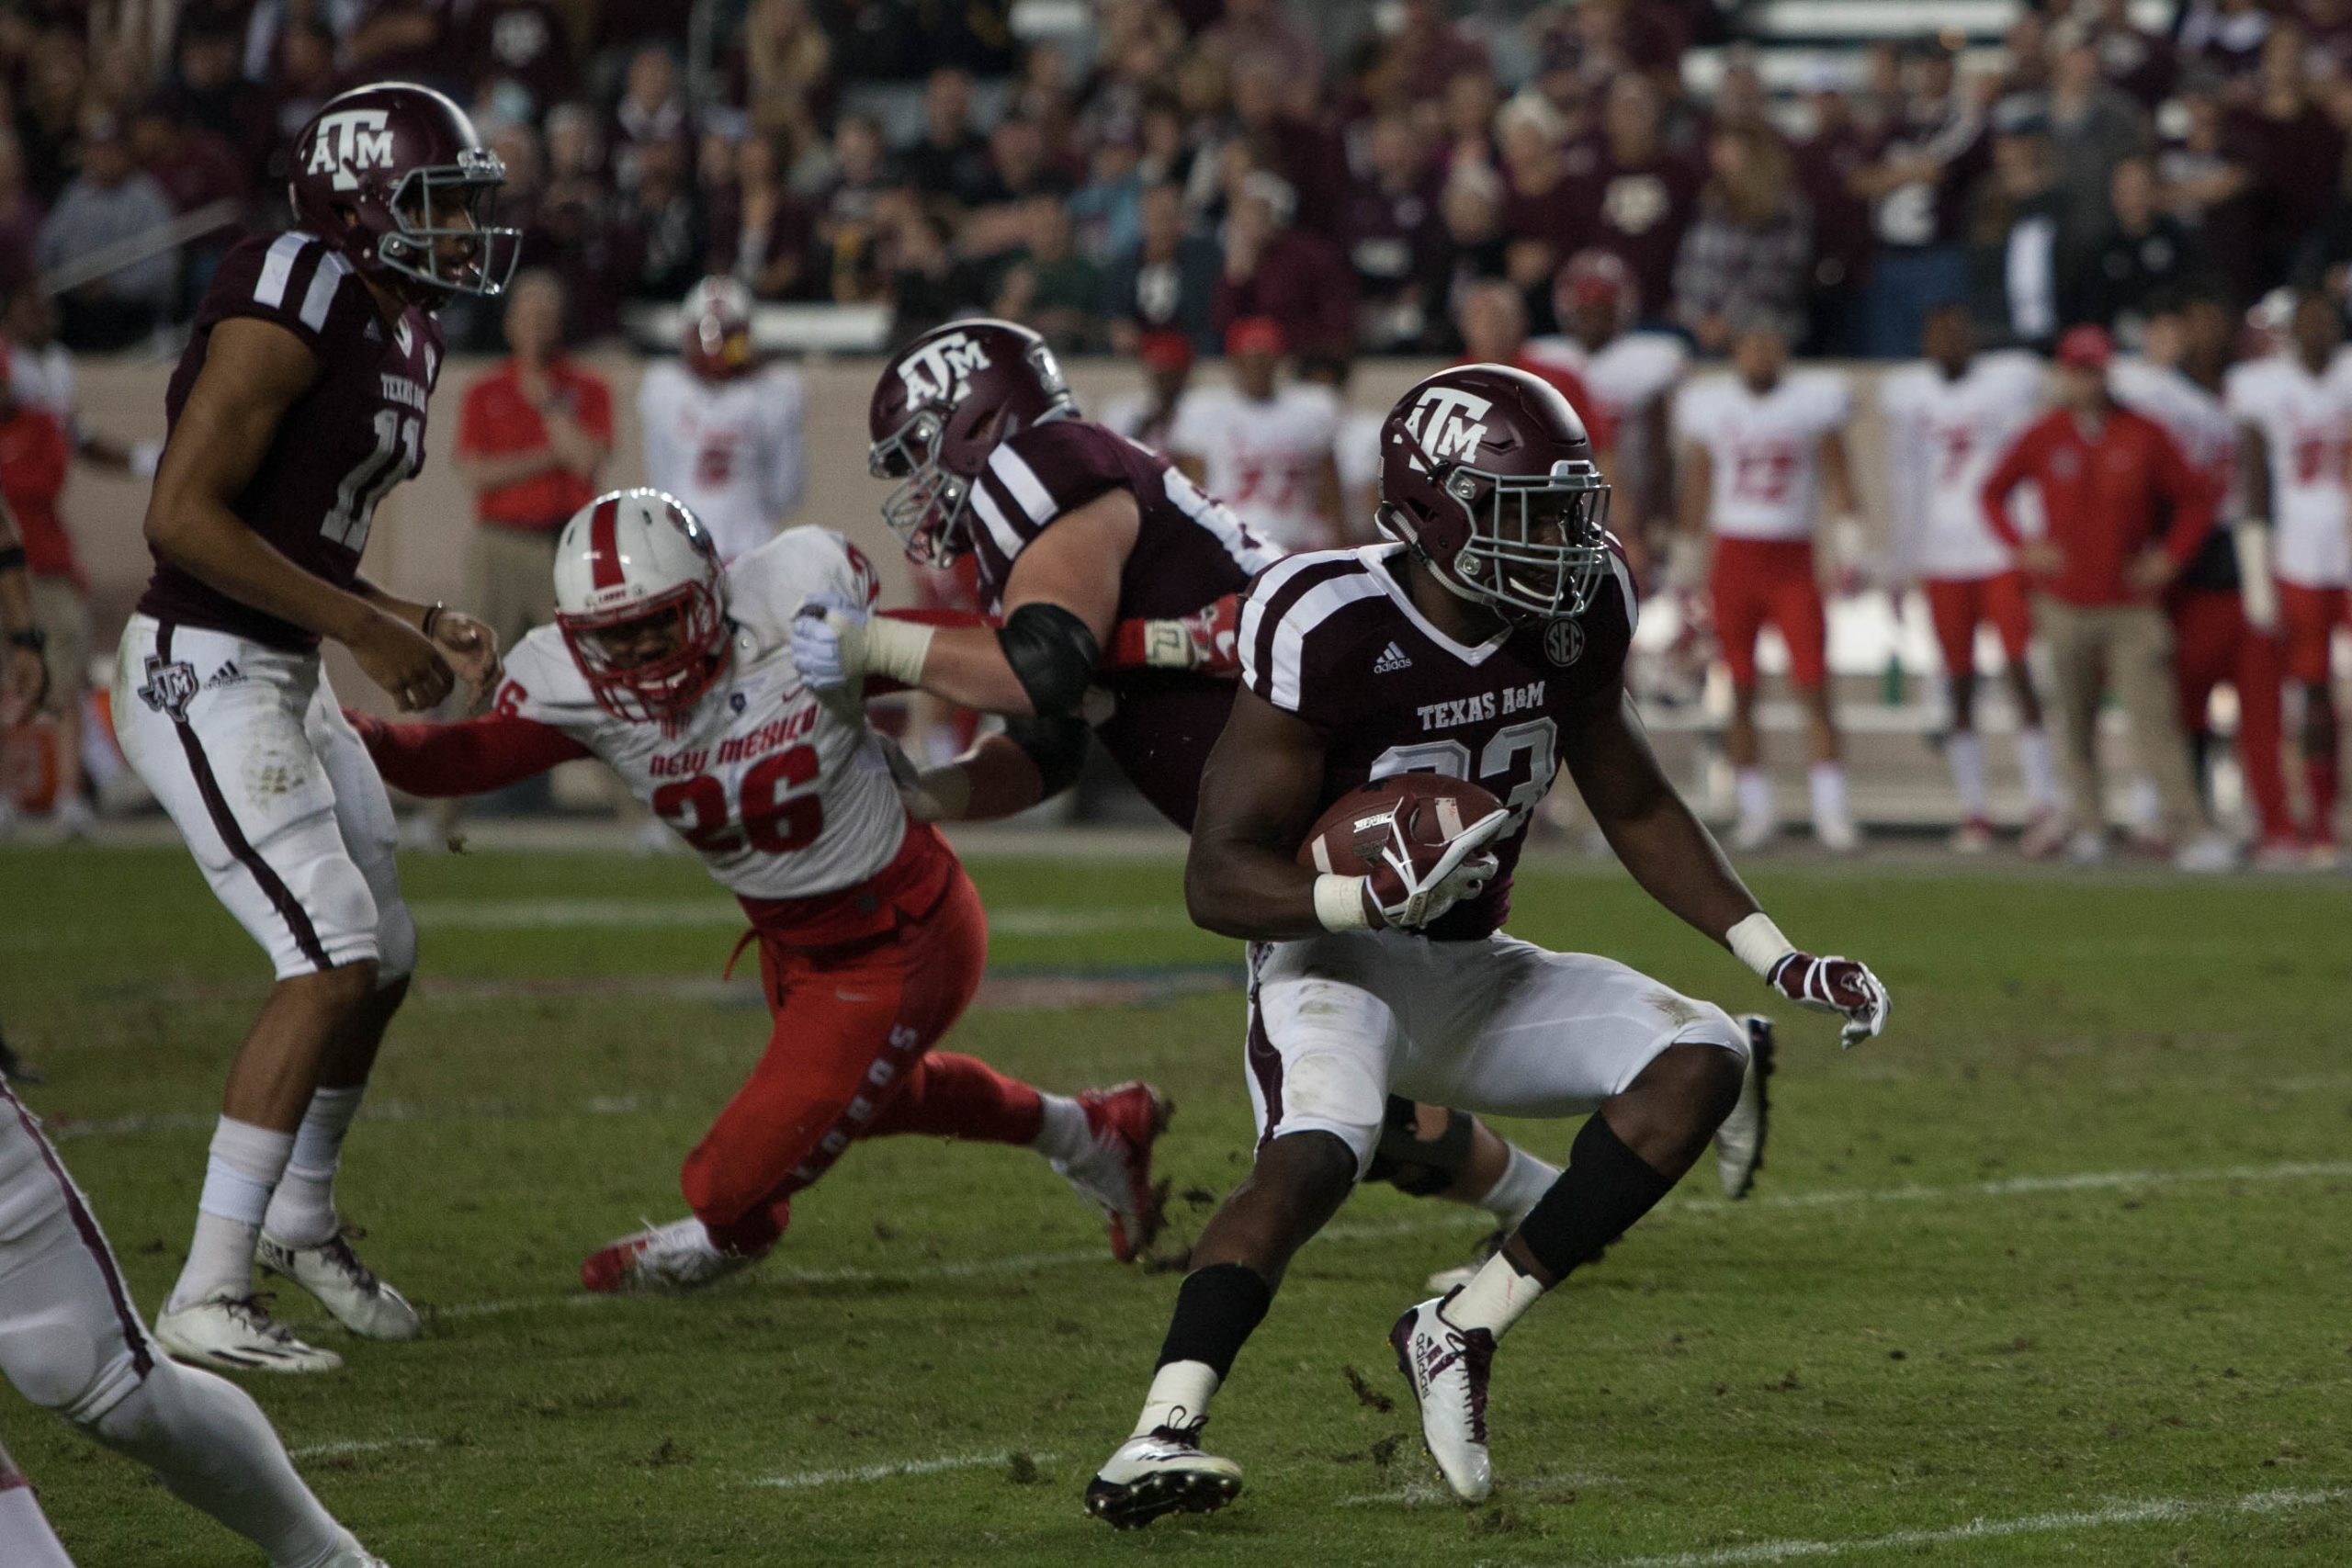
x=320 y=298
x=1022 y=483
x=277 y=267
x=1256 y=633
x=1316 y=605
x=991 y=514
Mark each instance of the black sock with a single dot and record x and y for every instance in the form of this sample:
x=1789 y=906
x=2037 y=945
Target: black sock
x=1605 y=1188
x=1217 y=1308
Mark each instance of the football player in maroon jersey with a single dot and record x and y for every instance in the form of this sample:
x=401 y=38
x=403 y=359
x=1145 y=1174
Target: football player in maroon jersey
x=299 y=403
x=1486 y=641
x=1107 y=569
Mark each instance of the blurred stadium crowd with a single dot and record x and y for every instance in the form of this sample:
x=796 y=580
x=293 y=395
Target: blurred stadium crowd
x=1343 y=170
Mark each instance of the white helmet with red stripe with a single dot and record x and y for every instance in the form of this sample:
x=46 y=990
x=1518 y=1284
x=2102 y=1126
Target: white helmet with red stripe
x=642 y=601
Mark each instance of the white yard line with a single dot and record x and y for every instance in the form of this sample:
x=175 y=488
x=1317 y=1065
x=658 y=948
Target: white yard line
x=2151 y=1510
x=795 y=1480
x=359 y=1446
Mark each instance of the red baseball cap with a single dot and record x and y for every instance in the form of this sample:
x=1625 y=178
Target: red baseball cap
x=2086 y=348
x=1253 y=334
x=1163 y=348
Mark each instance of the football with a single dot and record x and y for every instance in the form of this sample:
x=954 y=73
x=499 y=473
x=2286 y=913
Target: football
x=1433 y=809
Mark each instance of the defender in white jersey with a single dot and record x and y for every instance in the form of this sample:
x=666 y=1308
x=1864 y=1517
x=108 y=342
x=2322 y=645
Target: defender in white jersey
x=1264 y=448
x=723 y=431
x=1948 y=418
x=2295 y=422
x=1631 y=377
x=678 y=675
x=1758 y=446
x=70 y=1341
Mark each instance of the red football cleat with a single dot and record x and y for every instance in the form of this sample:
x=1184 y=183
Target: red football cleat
x=1116 y=1174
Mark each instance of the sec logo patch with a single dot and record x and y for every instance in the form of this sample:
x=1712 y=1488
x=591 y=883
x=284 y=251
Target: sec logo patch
x=1564 y=642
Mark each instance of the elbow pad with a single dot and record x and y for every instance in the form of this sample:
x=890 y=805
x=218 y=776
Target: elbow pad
x=1057 y=745
x=1053 y=655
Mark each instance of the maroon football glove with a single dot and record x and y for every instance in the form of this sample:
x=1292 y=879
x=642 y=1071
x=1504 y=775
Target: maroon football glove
x=1834 y=985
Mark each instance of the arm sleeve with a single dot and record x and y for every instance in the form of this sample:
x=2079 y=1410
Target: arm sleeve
x=480 y=754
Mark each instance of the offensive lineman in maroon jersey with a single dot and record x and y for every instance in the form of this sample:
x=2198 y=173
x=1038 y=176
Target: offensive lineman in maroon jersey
x=1487 y=641
x=297 y=405
x=1116 y=578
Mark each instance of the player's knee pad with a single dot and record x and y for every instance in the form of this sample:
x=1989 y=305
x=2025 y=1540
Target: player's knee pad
x=1421 y=1167
x=68 y=1358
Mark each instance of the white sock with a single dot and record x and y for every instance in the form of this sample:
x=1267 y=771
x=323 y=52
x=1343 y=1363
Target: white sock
x=1523 y=1181
x=1064 y=1134
x=1964 y=750
x=2035 y=766
x=210 y=1444
x=1752 y=789
x=1493 y=1299
x=1828 y=782
x=303 y=1209
x=26 y=1539
x=1179 y=1395
x=240 y=1172
x=2147 y=808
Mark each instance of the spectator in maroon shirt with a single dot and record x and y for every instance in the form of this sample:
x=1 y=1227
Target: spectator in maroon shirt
x=1259 y=27
x=2141 y=64
x=1309 y=158
x=195 y=167
x=2292 y=147
x=1825 y=162
x=1539 y=200
x=1470 y=102
x=652 y=112
x=759 y=232
x=1396 y=240
x=1633 y=195
x=1471 y=204
x=1297 y=279
x=1429 y=50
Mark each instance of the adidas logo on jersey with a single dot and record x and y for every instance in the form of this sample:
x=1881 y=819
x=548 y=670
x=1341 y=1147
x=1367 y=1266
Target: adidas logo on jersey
x=1390 y=661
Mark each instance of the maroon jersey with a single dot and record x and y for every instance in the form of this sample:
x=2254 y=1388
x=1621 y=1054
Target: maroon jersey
x=1190 y=551
x=342 y=445
x=1333 y=637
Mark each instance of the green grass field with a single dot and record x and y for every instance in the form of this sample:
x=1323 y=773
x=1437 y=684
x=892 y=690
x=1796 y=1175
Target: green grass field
x=2056 y=1271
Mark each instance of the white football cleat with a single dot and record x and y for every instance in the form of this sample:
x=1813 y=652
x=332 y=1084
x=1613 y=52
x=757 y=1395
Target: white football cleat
x=1753 y=833
x=1740 y=1142
x=2207 y=853
x=349 y=1554
x=1115 y=1175
x=660 y=1261
x=347 y=1288
x=236 y=1334
x=1161 y=1472
x=1838 y=835
x=1446 y=1368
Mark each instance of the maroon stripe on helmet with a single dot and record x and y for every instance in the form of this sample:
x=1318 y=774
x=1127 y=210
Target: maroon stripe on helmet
x=224 y=822
x=604 y=545
x=142 y=1355
x=1279 y=605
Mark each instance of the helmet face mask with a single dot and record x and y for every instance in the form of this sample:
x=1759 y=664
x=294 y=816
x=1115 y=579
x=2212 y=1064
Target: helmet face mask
x=1536 y=546
x=485 y=254
x=663 y=686
x=925 y=508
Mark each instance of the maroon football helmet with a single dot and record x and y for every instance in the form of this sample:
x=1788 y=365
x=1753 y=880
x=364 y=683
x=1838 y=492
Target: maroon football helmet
x=1488 y=474
x=943 y=403
x=377 y=173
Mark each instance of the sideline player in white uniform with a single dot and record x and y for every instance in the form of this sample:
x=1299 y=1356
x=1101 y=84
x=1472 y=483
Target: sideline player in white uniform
x=70 y=1341
x=2295 y=424
x=299 y=404
x=1264 y=448
x=723 y=430
x=1630 y=375
x=680 y=676
x=1948 y=418
x=1759 y=445
x=1489 y=642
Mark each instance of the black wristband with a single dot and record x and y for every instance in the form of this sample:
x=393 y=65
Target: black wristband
x=12 y=558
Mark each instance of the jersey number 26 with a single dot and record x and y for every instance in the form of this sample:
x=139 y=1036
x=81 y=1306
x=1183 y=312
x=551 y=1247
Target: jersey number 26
x=774 y=822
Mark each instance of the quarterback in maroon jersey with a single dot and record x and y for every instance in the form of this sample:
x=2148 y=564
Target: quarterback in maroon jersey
x=299 y=404
x=1116 y=580
x=1486 y=641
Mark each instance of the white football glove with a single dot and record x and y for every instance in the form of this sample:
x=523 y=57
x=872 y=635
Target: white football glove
x=1410 y=896
x=829 y=640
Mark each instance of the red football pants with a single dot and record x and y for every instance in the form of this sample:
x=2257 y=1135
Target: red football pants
x=2212 y=643
x=849 y=1059
x=1756 y=580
